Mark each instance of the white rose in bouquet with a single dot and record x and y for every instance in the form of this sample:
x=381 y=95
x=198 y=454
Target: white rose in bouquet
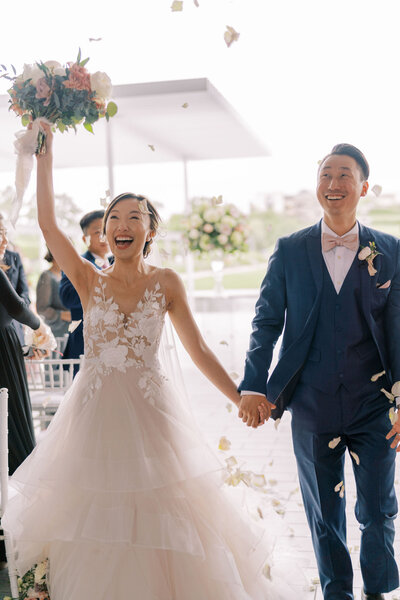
x=101 y=84
x=31 y=72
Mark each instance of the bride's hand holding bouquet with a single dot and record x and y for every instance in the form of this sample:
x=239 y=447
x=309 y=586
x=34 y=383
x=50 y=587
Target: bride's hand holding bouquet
x=60 y=96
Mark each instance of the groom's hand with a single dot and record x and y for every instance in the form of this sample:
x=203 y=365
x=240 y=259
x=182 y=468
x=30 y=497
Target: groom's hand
x=395 y=431
x=249 y=409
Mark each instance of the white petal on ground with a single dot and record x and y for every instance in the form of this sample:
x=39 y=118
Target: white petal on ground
x=224 y=343
x=231 y=462
x=151 y=147
x=224 y=443
x=377 y=375
x=228 y=407
x=185 y=105
x=333 y=443
x=230 y=36
x=387 y=394
x=356 y=457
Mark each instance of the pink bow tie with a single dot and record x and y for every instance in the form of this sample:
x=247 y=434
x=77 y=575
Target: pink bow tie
x=348 y=241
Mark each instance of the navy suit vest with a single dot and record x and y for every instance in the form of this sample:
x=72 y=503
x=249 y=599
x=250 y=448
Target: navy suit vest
x=342 y=350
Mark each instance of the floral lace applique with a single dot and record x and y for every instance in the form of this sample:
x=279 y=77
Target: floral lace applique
x=114 y=340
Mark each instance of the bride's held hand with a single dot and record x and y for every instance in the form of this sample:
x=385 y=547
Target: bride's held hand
x=254 y=410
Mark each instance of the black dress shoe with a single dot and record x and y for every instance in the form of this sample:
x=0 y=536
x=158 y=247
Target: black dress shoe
x=367 y=596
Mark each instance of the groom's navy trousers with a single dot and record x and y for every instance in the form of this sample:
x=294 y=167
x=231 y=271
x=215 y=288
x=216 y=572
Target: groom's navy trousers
x=332 y=345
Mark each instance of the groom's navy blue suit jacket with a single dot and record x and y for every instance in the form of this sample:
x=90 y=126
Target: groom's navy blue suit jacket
x=290 y=301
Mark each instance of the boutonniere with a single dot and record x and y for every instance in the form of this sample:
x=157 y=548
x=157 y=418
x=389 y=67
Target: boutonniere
x=368 y=253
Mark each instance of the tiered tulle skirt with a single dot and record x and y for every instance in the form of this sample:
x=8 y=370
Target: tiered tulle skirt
x=124 y=498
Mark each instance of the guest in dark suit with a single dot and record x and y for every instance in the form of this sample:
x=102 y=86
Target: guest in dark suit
x=339 y=309
x=12 y=266
x=97 y=250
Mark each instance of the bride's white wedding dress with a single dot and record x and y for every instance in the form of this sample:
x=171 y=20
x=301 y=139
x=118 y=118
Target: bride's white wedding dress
x=122 y=494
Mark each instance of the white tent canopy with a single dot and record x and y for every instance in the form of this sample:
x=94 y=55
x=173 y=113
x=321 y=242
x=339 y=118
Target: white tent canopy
x=151 y=114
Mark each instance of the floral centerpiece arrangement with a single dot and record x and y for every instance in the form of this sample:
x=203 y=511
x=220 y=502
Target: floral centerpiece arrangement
x=63 y=96
x=213 y=226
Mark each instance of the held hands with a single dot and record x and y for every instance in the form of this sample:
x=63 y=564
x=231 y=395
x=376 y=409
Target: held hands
x=254 y=410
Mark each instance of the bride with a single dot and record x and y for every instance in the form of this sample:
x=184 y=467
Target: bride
x=122 y=495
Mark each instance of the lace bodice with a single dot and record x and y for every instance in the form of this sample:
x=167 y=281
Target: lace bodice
x=114 y=340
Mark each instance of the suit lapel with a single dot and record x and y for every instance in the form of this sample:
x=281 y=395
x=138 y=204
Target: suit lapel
x=313 y=242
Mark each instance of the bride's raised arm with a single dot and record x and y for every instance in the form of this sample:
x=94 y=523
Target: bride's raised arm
x=78 y=270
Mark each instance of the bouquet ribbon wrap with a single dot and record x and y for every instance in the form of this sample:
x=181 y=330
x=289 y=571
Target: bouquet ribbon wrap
x=26 y=146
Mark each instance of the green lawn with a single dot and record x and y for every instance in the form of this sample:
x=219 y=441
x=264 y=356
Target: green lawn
x=235 y=281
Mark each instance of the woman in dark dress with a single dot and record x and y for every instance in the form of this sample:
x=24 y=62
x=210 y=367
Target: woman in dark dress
x=13 y=374
x=21 y=440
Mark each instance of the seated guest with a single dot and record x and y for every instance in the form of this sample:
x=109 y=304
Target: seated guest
x=48 y=303
x=11 y=264
x=97 y=250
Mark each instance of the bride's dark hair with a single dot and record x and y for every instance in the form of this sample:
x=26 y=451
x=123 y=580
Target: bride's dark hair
x=148 y=208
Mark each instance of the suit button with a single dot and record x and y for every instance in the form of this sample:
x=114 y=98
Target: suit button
x=341 y=376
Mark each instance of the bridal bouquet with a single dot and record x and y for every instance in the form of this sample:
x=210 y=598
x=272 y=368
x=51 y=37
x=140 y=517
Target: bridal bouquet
x=63 y=96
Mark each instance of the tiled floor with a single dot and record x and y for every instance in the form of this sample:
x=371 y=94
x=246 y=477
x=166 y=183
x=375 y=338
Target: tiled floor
x=266 y=450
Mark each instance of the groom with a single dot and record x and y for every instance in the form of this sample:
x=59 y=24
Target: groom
x=340 y=315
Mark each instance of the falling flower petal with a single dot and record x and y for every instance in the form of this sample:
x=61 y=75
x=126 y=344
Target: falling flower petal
x=341 y=493
x=230 y=36
x=393 y=415
x=234 y=479
x=95 y=39
x=333 y=443
x=377 y=189
x=338 y=486
x=103 y=202
x=356 y=457
x=364 y=253
x=224 y=444
x=234 y=375
x=185 y=104
x=387 y=394
x=73 y=325
x=377 y=375
x=151 y=147
x=315 y=580
x=260 y=512
x=224 y=343
x=276 y=424
x=228 y=407
x=272 y=481
x=396 y=388
x=196 y=3
x=177 y=5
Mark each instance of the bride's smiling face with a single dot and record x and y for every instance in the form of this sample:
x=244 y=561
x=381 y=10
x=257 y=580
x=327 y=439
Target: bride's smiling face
x=128 y=228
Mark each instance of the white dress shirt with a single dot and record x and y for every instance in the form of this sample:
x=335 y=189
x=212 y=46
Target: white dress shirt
x=338 y=262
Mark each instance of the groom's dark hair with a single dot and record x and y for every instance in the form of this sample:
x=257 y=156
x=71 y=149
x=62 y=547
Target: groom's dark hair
x=353 y=152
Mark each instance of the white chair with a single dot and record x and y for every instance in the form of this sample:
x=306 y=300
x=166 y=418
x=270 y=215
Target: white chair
x=12 y=572
x=48 y=380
